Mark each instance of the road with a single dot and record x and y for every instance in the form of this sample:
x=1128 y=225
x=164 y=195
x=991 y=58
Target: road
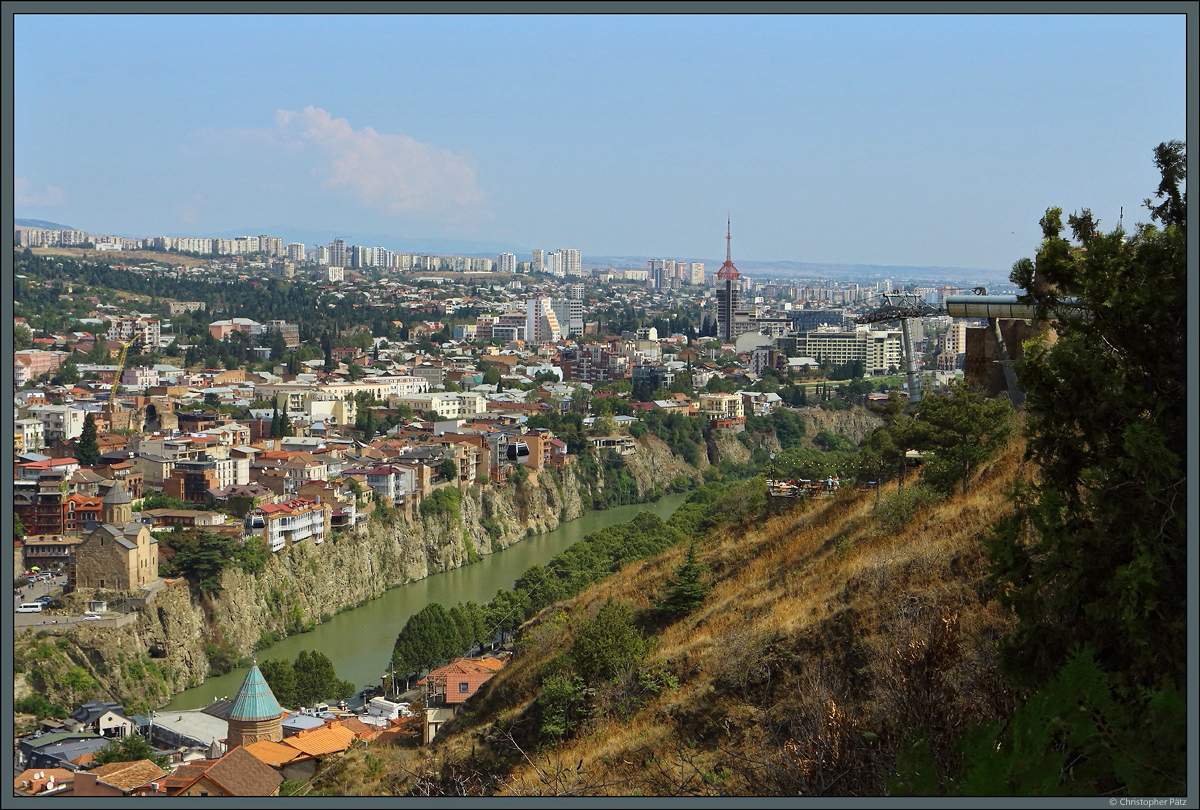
x=33 y=591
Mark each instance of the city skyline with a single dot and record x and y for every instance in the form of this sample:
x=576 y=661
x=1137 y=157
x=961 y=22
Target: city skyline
x=921 y=140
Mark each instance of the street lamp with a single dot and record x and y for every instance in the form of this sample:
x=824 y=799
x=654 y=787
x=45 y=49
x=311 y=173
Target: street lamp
x=772 y=469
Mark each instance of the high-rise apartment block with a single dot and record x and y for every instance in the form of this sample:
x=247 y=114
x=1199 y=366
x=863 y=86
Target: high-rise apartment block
x=574 y=262
x=569 y=312
x=507 y=262
x=541 y=324
x=337 y=253
x=538 y=265
x=564 y=263
x=659 y=273
x=127 y=327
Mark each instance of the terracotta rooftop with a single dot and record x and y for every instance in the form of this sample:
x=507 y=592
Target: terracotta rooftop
x=238 y=773
x=273 y=753
x=127 y=775
x=322 y=741
x=36 y=780
x=358 y=728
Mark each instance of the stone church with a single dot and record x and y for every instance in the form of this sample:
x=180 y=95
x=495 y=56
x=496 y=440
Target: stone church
x=116 y=553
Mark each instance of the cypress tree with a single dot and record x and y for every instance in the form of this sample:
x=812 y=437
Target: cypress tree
x=87 y=450
x=686 y=589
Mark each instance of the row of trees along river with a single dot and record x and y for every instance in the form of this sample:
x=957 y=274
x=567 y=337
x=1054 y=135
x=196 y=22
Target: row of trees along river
x=359 y=641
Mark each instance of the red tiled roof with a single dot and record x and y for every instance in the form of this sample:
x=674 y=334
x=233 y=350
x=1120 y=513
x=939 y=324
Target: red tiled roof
x=321 y=741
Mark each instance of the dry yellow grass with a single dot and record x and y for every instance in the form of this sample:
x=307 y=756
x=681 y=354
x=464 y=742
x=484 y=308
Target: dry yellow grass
x=823 y=642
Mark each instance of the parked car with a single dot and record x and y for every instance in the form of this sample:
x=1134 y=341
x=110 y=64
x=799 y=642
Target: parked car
x=30 y=607
x=44 y=600
x=91 y=617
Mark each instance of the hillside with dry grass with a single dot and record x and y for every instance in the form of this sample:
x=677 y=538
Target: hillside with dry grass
x=831 y=634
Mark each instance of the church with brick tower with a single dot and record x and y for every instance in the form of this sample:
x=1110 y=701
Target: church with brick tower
x=255 y=713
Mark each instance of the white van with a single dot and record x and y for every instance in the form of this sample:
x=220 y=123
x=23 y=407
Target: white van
x=30 y=607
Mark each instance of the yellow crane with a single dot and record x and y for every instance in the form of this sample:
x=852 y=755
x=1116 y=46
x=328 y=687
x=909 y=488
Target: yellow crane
x=112 y=394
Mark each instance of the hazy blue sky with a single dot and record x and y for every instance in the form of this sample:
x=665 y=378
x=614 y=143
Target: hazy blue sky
x=918 y=140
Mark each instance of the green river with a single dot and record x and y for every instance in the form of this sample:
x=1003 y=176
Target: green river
x=359 y=641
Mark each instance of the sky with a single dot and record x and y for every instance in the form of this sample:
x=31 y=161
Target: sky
x=924 y=140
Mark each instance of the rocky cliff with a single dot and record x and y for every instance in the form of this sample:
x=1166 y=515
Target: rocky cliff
x=854 y=423
x=169 y=645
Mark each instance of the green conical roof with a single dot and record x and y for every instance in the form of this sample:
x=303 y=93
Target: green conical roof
x=254 y=701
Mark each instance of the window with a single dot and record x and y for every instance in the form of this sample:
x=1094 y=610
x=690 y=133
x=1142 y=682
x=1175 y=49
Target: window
x=463 y=687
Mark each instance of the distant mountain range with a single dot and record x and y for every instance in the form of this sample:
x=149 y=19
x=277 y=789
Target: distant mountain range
x=41 y=223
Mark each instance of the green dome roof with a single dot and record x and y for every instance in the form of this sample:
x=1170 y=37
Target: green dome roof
x=254 y=701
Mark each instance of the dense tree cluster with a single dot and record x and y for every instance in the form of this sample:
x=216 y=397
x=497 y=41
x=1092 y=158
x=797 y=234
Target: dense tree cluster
x=306 y=681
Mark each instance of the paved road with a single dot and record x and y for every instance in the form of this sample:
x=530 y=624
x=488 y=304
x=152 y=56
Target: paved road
x=52 y=587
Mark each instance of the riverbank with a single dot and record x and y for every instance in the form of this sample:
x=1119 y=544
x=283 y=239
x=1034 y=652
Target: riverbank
x=176 y=641
x=359 y=641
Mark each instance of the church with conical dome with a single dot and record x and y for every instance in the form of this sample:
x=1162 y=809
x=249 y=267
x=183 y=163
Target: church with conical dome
x=117 y=553
x=255 y=713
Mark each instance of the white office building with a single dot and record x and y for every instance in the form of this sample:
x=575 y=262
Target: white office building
x=879 y=351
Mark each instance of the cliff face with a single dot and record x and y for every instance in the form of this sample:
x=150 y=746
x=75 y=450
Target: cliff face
x=854 y=423
x=166 y=647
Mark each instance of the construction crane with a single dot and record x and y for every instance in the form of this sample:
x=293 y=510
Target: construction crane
x=112 y=394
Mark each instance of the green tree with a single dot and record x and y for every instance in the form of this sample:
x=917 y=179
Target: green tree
x=475 y=619
x=39 y=706
x=608 y=647
x=367 y=423
x=963 y=429
x=201 y=556
x=131 y=748
x=22 y=338
x=430 y=637
x=18 y=527
x=563 y=705
x=87 y=450
x=1093 y=561
x=1096 y=555
x=67 y=373
x=686 y=588
x=449 y=470
x=78 y=681
x=316 y=679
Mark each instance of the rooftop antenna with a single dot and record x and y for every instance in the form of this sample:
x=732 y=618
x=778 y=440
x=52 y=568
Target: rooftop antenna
x=1121 y=220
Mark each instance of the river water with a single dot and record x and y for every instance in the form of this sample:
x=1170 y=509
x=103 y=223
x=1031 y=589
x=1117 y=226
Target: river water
x=359 y=641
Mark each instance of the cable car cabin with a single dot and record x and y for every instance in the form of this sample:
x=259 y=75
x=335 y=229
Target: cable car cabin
x=518 y=451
